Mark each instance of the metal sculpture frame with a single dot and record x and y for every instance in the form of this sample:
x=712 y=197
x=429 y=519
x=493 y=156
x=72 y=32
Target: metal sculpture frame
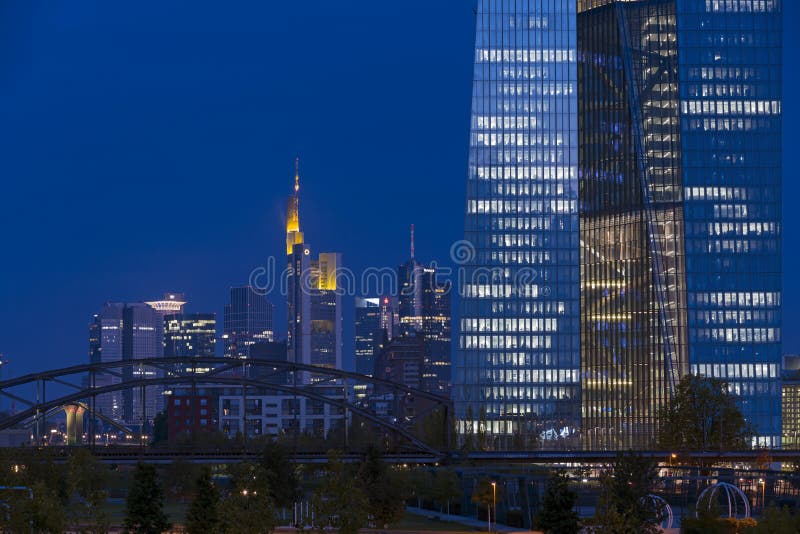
x=731 y=493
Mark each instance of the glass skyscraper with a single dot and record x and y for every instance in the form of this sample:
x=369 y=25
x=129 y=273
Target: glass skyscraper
x=517 y=368
x=680 y=173
x=657 y=123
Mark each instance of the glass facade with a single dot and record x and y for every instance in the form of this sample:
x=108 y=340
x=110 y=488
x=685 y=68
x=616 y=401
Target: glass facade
x=680 y=209
x=633 y=299
x=246 y=320
x=657 y=123
x=516 y=373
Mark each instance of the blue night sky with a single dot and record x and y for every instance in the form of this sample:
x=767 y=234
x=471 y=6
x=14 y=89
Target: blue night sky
x=149 y=146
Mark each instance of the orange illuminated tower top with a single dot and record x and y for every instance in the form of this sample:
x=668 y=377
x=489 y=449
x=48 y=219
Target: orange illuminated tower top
x=293 y=234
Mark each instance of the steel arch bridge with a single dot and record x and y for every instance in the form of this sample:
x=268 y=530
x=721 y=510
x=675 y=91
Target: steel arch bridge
x=251 y=375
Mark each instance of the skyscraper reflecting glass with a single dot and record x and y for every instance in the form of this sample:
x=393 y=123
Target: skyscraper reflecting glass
x=518 y=360
x=680 y=208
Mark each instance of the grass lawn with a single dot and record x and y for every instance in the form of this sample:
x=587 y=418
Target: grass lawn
x=419 y=522
x=176 y=512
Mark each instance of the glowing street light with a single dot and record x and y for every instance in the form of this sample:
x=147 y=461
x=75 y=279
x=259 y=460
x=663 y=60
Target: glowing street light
x=494 y=505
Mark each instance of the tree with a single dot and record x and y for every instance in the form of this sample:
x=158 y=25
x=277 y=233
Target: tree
x=247 y=511
x=87 y=480
x=203 y=514
x=384 y=490
x=338 y=502
x=624 y=504
x=280 y=475
x=482 y=430
x=446 y=488
x=144 y=512
x=160 y=430
x=558 y=515
x=487 y=494
x=702 y=415
x=776 y=521
x=468 y=437
x=180 y=478
x=420 y=483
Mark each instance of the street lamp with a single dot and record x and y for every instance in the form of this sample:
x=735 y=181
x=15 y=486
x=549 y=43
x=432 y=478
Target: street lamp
x=494 y=505
x=763 y=485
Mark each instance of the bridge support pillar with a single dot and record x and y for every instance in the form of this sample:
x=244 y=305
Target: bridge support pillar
x=74 y=424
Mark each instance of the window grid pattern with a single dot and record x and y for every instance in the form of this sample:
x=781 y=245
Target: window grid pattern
x=731 y=93
x=516 y=375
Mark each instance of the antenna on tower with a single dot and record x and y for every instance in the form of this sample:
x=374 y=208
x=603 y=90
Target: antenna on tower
x=296 y=175
x=412 y=241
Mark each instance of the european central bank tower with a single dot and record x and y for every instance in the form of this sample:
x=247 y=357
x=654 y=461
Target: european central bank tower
x=623 y=218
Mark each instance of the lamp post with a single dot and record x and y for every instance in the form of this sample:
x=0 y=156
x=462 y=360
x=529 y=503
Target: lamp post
x=763 y=485
x=494 y=505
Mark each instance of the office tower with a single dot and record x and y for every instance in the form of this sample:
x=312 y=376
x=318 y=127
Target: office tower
x=125 y=332
x=326 y=312
x=401 y=360
x=390 y=316
x=368 y=333
x=680 y=158
x=105 y=345
x=518 y=357
x=189 y=335
x=247 y=320
x=314 y=308
x=141 y=339
x=790 y=402
x=424 y=310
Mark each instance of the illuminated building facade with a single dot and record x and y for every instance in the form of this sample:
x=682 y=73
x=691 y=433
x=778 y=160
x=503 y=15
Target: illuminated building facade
x=190 y=335
x=125 y=332
x=518 y=357
x=680 y=168
x=314 y=307
x=247 y=320
x=790 y=403
x=368 y=333
x=424 y=310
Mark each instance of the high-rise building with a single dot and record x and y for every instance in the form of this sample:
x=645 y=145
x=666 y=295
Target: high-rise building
x=314 y=307
x=636 y=143
x=518 y=358
x=247 y=320
x=127 y=331
x=680 y=165
x=369 y=333
x=190 y=335
x=390 y=315
x=424 y=310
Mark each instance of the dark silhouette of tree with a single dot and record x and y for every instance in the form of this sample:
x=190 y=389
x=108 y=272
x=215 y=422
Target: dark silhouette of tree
x=338 y=502
x=87 y=480
x=144 y=511
x=487 y=495
x=203 y=514
x=558 y=515
x=160 y=430
x=280 y=475
x=624 y=505
x=702 y=415
x=384 y=490
x=446 y=488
